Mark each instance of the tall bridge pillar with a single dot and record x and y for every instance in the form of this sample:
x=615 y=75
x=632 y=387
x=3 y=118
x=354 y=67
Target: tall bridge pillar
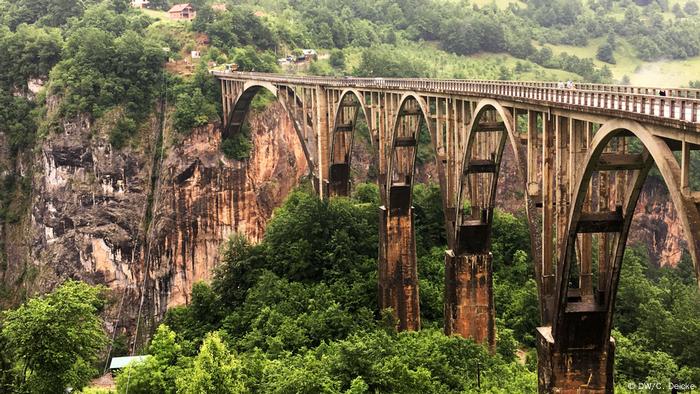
x=573 y=370
x=469 y=309
x=398 y=272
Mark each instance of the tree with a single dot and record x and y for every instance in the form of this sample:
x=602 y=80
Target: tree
x=677 y=11
x=386 y=61
x=691 y=8
x=605 y=53
x=337 y=59
x=57 y=337
x=192 y=110
x=215 y=370
x=158 y=373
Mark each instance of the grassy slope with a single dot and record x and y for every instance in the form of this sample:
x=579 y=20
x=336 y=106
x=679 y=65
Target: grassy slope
x=487 y=65
x=662 y=73
x=481 y=66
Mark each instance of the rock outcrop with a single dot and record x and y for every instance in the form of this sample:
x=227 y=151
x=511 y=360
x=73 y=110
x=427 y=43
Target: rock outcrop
x=105 y=216
x=203 y=197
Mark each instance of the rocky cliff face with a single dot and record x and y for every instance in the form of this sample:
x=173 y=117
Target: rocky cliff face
x=202 y=198
x=98 y=214
x=656 y=225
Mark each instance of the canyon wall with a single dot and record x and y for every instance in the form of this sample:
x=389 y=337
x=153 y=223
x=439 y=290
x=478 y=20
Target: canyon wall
x=110 y=216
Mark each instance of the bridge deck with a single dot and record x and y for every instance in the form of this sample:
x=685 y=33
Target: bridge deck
x=680 y=108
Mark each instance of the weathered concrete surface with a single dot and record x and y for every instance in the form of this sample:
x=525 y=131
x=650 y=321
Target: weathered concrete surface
x=574 y=370
x=469 y=307
x=398 y=271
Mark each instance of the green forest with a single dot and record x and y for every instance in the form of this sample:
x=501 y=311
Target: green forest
x=297 y=312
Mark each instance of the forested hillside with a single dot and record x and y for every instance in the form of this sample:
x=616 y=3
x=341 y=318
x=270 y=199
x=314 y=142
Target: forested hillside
x=589 y=39
x=296 y=312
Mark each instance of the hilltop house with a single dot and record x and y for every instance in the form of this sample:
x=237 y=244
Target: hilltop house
x=140 y=3
x=221 y=7
x=183 y=11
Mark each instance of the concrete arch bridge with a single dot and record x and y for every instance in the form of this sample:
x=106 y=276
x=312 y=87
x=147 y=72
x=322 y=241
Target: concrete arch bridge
x=583 y=154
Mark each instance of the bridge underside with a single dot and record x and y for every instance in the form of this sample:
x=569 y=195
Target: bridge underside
x=582 y=157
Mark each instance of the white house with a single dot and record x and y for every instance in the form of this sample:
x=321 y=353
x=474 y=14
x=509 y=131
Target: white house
x=140 y=3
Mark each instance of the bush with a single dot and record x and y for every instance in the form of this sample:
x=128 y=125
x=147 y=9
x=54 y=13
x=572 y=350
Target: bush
x=192 y=110
x=605 y=53
x=237 y=146
x=121 y=132
x=337 y=59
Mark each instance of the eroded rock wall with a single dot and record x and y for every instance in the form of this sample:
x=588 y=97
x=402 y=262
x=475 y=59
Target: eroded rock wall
x=203 y=198
x=105 y=216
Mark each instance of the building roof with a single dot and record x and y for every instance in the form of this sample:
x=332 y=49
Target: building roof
x=180 y=7
x=121 y=362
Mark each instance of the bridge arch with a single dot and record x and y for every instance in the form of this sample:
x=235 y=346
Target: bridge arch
x=412 y=115
x=398 y=272
x=241 y=107
x=616 y=221
x=350 y=104
x=239 y=112
x=484 y=121
x=469 y=290
x=579 y=338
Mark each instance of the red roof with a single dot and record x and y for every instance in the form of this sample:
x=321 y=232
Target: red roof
x=180 y=7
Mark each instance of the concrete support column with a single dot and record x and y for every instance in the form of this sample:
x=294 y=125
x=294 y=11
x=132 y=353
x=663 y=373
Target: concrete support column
x=339 y=180
x=469 y=310
x=398 y=271
x=323 y=138
x=575 y=370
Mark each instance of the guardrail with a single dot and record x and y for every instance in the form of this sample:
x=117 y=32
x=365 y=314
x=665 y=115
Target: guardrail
x=677 y=104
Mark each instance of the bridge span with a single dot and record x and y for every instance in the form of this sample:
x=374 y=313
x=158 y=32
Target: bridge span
x=583 y=153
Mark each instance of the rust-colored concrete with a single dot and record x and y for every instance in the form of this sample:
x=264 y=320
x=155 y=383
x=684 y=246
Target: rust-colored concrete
x=574 y=371
x=398 y=273
x=469 y=310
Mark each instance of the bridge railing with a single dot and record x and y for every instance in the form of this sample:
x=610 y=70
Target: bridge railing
x=678 y=104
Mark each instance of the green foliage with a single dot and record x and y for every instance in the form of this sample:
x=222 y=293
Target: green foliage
x=101 y=70
x=431 y=281
x=122 y=131
x=510 y=237
x=17 y=122
x=43 y=12
x=367 y=193
x=214 y=370
x=605 y=53
x=237 y=27
x=57 y=337
x=657 y=310
x=312 y=238
x=385 y=61
x=159 y=372
x=192 y=110
x=337 y=59
x=429 y=217
x=250 y=59
x=29 y=52
x=237 y=146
